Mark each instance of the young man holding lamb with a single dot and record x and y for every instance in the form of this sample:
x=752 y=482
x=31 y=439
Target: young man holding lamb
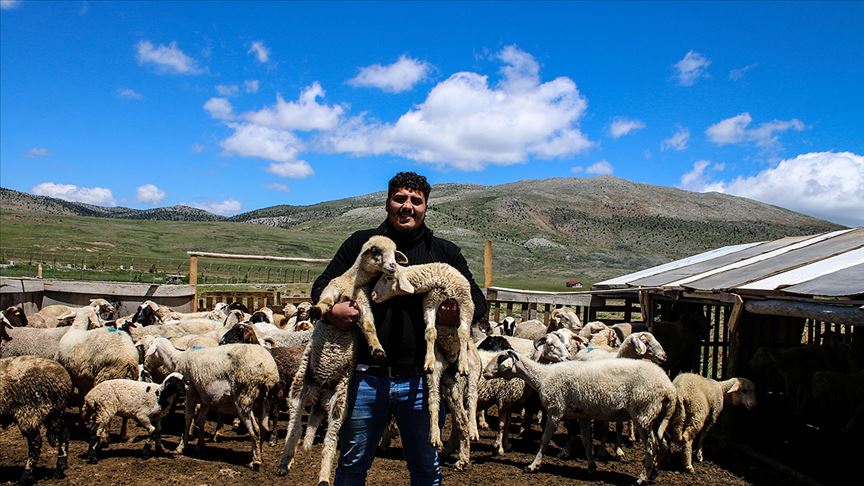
x=394 y=385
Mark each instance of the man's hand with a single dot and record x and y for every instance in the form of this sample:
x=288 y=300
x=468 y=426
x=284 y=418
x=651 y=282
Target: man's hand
x=448 y=313
x=344 y=314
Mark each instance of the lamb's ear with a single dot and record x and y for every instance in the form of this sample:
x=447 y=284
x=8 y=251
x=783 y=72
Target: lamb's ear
x=540 y=341
x=401 y=259
x=735 y=387
x=404 y=284
x=640 y=346
x=151 y=349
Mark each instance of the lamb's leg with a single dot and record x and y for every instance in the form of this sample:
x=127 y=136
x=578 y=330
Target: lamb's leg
x=619 y=433
x=124 y=436
x=473 y=394
x=34 y=449
x=274 y=419
x=335 y=419
x=481 y=420
x=200 y=421
x=98 y=432
x=191 y=402
x=62 y=447
x=551 y=425
x=502 y=440
x=434 y=398
x=324 y=305
x=144 y=420
x=687 y=450
x=649 y=441
x=460 y=423
x=367 y=325
x=157 y=436
x=316 y=416
x=246 y=411
x=464 y=334
x=700 y=438
x=296 y=398
x=587 y=443
x=430 y=334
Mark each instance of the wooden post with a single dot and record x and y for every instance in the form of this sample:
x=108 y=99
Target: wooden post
x=487 y=264
x=734 y=338
x=193 y=279
x=39 y=270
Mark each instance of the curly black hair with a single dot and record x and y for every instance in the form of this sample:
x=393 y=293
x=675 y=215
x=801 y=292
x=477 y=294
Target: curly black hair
x=409 y=180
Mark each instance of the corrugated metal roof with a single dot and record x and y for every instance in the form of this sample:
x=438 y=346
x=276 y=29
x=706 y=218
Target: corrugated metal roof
x=827 y=264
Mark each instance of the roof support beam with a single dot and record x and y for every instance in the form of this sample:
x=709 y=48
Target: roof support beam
x=806 y=310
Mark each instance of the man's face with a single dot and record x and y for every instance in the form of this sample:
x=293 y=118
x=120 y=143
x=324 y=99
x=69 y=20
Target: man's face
x=406 y=209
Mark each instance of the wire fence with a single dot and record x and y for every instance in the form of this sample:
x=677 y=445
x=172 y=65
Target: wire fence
x=121 y=267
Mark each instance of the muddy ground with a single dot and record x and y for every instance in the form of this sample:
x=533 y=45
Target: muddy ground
x=225 y=462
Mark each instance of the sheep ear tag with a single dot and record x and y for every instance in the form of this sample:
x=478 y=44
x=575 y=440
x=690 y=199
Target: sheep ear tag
x=507 y=363
x=640 y=347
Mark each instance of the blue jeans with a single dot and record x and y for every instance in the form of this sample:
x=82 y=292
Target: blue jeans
x=371 y=401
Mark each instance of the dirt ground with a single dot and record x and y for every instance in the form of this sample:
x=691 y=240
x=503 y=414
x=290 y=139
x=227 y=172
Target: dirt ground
x=225 y=462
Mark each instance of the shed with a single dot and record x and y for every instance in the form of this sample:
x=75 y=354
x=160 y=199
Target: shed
x=802 y=292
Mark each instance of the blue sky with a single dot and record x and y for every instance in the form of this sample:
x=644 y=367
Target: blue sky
x=235 y=106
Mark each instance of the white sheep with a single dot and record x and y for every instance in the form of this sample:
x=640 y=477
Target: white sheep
x=596 y=390
x=94 y=356
x=459 y=391
x=532 y=329
x=54 y=315
x=321 y=383
x=145 y=402
x=700 y=402
x=378 y=254
x=564 y=317
x=437 y=282
x=503 y=393
x=235 y=378
x=33 y=394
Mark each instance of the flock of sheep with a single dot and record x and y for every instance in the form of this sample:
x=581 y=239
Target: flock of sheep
x=246 y=366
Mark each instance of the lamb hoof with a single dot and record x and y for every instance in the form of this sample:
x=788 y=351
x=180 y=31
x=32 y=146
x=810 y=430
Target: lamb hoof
x=532 y=468
x=315 y=313
x=324 y=483
x=689 y=469
x=282 y=470
x=592 y=468
x=92 y=460
x=377 y=353
x=60 y=473
x=699 y=456
x=460 y=466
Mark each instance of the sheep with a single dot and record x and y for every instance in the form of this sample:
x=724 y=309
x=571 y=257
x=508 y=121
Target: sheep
x=494 y=343
x=52 y=315
x=564 y=317
x=33 y=393
x=460 y=393
x=321 y=382
x=503 y=393
x=4 y=334
x=838 y=395
x=639 y=345
x=231 y=378
x=300 y=318
x=94 y=356
x=438 y=282
x=592 y=328
x=145 y=402
x=182 y=328
x=378 y=254
x=149 y=313
x=700 y=402
x=598 y=390
x=24 y=341
x=560 y=345
x=15 y=316
x=507 y=326
x=533 y=330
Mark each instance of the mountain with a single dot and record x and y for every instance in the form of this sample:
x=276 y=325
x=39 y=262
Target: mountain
x=549 y=230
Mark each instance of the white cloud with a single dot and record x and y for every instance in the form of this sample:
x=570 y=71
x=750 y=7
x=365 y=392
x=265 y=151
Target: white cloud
x=227 y=207
x=277 y=187
x=227 y=89
x=291 y=169
x=734 y=130
x=150 y=194
x=678 y=141
x=260 y=51
x=219 y=108
x=828 y=185
x=691 y=68
x=250 y=85
x=577 y=169
x=466 y=124
x=602 y=167
x=400 y=76
x=738 y=73
x=37 y=152
x=69 y=192
x=128 y=93
x=624 y=126
x=196 y=148
x=305 y=114
x=9 y=4
x=166 y=58
x=698 y=178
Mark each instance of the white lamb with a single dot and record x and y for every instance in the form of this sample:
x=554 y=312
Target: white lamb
x=596 y=390
x=235 y=378
x=700 y=402
x=145 y=402
x=378 y=254
x=437 y=282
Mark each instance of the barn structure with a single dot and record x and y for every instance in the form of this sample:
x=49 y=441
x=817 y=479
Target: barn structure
x=777 y=312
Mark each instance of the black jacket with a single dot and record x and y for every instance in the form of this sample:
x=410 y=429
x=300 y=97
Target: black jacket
x=399 y=321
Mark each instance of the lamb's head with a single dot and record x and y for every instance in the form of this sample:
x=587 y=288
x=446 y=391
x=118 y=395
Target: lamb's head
x=507 y=364
x=15 y=316
x=264 y=314
x=303 y=325
x=157 y=353
x=103 y=308
x=508 y=325
x=391 y=285
x=564 y=317
x=238 y=306
x=592 y=328
x=82 y=318
x=4 y=324
x=550 y=349
x=147 y=314
x=234 y=316
x=171 y=387
x=379 y=254
x=289 y=310
x=646 y=346
x=240 y=333
x=606 y=337
x=742 y=392
x=302 y=311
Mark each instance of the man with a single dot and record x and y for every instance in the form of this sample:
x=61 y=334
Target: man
x=394 y=386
